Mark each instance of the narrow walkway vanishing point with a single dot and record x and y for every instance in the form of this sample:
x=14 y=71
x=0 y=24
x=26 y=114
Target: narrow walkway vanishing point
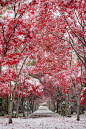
x=43 y=111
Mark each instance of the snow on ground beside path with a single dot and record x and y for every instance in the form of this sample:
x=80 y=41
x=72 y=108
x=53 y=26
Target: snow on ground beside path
x=44 y=123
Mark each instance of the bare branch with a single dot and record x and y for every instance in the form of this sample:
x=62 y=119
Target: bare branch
x=23 y=49
x=62 y=56
x=79 y=49
x=60 y=37
x=22 y=13
x=74 y=23
x=18 y=77
x=72 y=30
x=3 y=32
x=77 y=18
x=22 y=67
x=73 y=47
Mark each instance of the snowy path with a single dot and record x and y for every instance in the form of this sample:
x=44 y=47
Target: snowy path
x=44 y=123
x=42 y=111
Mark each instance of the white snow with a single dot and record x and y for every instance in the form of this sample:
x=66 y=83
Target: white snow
x=34 y=81
x=42 y=110
x=9 y=13
x=55 y=122
x=44 y=123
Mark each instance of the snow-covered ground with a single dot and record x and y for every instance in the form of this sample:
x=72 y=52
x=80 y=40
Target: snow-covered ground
x=55 y=122
x=44 y=123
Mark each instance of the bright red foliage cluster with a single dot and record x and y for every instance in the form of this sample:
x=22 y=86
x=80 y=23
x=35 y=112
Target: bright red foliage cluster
x=51 y=36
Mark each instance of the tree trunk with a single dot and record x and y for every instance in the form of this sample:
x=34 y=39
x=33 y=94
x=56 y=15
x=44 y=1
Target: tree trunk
x=23 y=109
x=57 y=107
x=27 y=108
x=11 y=101
x=54 y=106
x=0 y=69
x=70 y=100
x=49 y=105
x=8 y=102
x=10 y=111
x=32 y=106
x=17 y=110
x=78 y=107
x=36 y=106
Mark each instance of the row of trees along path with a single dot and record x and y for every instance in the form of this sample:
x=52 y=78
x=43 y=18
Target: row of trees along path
x=43 y=39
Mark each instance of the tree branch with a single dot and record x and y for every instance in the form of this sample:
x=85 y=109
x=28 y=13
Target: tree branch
x=77 y=18
x=23 y=49
x=73 y=47
x=18 y=77
x=60 y=37
x=72 y=30
x=3 y=32
x=22 y=67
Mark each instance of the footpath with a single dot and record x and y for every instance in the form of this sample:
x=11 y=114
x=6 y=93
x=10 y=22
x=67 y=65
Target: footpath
x=43 y=111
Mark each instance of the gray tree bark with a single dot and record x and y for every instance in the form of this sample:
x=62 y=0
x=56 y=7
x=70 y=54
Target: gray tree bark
x=10 y=111
x=78 y=107
x=23 y=109
x=17 y=110
x=70 y=100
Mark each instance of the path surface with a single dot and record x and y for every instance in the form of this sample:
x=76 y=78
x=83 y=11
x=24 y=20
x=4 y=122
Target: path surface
x=43 y=111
